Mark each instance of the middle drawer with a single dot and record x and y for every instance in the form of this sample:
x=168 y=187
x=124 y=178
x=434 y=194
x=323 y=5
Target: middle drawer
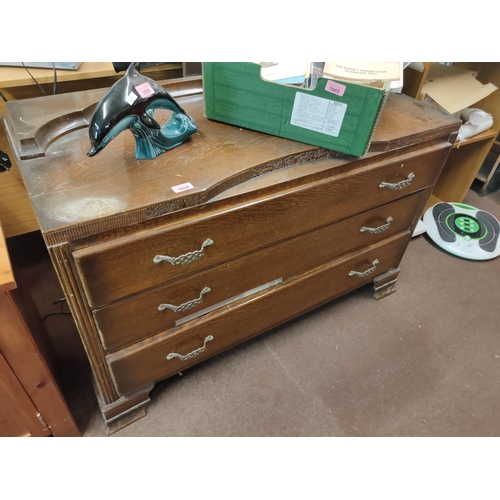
x=149 y=313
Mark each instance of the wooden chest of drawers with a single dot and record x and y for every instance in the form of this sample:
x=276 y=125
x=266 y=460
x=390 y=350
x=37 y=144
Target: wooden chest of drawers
x=158 y=280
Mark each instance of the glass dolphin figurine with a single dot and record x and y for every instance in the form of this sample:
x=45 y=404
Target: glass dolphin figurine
x=130 y=104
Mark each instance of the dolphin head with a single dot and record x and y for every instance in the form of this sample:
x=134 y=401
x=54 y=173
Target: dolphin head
x=103 y=132
x=98 y=131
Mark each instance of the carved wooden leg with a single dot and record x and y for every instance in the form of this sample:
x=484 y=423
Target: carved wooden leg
x=124 y=411
x=385 y=284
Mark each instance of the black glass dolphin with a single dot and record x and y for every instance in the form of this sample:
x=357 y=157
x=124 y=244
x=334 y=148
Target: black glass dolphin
x=130 y=104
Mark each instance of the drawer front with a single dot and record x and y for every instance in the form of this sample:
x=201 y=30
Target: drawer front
x=117 y=269
x=150 y=313
x=159 y=357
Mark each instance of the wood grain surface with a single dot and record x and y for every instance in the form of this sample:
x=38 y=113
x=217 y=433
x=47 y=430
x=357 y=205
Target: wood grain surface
x=7 y=281
x=146 y=361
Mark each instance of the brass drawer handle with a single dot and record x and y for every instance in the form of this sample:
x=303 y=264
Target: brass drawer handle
x=398 y=185
x=187 y=305
x=192 y=354
x=377 y=230
x=187 y=257
x=367 y=272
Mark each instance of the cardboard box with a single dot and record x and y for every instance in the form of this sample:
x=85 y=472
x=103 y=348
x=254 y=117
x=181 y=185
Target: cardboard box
x=453 y=88
x=336 y=115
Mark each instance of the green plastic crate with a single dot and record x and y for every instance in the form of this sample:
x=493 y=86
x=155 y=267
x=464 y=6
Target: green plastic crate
x=236 y=94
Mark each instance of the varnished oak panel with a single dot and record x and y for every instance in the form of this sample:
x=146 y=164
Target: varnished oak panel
x=142 y=363
x=137 y=318
x=113 y=270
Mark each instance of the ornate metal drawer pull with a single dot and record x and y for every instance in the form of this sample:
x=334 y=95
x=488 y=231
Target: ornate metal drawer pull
x=377 y=230
x=367 y=272
x=192 y=354
x=187 y=257
x=398 y=185
x=187 y=305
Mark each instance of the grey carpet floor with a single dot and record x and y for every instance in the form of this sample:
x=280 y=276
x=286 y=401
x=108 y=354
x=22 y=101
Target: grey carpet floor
x=424 y=361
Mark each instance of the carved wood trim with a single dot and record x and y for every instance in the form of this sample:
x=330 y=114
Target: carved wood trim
x=161 y=209
x=61 y=259
x=96 y=227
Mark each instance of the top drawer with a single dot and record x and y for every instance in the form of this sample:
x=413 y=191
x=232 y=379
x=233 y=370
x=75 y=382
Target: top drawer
x=113 y=270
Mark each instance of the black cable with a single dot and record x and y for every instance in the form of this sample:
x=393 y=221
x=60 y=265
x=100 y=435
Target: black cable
x=3 y=97
x=39 y=86
x=52 y=314
x=60 y=301
x=55 y=79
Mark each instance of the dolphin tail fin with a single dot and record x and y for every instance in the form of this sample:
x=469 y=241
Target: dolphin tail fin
x=133 y=66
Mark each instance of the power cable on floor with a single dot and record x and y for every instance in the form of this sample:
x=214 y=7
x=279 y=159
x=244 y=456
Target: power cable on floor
x=61 y=301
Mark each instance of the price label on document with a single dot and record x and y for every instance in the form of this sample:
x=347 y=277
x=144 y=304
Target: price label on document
x=318 y=114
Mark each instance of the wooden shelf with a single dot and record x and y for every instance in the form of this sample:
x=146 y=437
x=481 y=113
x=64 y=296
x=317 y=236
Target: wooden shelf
x=489 y=173
x=481 y=177
x=431 y=202
x=465 y=159
x=487 y=134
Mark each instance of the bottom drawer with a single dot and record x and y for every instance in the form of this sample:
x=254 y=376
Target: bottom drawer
x=165 y=354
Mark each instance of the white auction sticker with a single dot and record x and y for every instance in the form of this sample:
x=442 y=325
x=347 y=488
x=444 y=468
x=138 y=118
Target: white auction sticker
x=182 y=187
x=318 y=114
x=131 y=98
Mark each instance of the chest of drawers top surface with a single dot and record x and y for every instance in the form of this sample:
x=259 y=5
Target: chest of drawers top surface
x=70 y=190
